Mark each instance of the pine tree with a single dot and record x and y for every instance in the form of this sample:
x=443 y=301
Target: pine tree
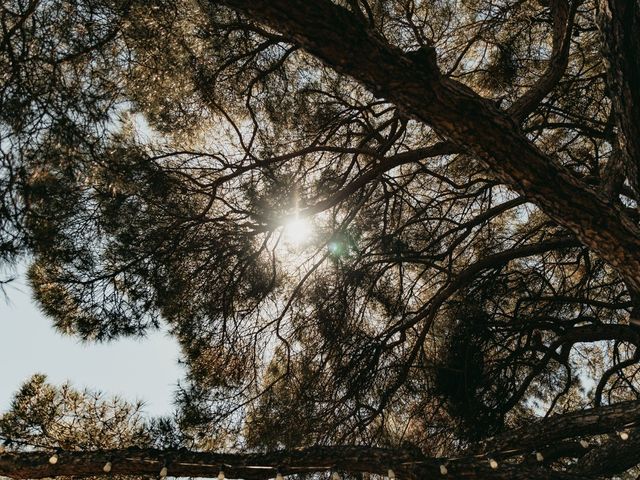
x=396 y=237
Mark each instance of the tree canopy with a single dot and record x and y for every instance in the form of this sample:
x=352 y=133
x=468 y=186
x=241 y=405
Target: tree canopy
x=392 y=237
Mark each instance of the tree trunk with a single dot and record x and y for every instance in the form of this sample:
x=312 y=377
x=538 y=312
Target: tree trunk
x=619 y=22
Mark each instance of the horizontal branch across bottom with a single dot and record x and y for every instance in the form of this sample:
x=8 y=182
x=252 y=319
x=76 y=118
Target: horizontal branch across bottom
x=538 y=436
x=185 y=463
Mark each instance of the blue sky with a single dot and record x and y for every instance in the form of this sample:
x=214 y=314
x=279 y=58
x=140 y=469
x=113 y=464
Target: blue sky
x=145 y=369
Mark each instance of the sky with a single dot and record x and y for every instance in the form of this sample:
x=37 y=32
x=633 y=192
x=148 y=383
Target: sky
x=134 y=369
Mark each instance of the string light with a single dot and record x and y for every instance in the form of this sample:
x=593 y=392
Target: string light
x=624 y=435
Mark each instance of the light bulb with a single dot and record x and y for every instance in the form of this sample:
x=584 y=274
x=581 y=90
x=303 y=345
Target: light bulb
x=221 y=475
x=443 y=469
x=584 y=443
x=163 y=472
x=391 y=474
x=624 y=435
x=53 y=459
x=335 y=476
x=493 y=463
x=107 y=467
x=539 y=457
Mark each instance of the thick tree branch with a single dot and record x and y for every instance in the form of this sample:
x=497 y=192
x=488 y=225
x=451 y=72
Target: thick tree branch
x=416 y=87
x=613 y=457
x=407 y=463
x=183 y=463
x=593 y=421
x=620 y=24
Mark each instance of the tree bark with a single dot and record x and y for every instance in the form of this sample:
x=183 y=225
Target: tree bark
x=593 y=421
x=619 y=22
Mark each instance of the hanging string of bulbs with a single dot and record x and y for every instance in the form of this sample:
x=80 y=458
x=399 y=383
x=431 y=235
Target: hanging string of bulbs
x=444 y=467
x=493 y=463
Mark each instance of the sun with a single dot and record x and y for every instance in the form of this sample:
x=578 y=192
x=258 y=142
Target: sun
x=297 y=231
